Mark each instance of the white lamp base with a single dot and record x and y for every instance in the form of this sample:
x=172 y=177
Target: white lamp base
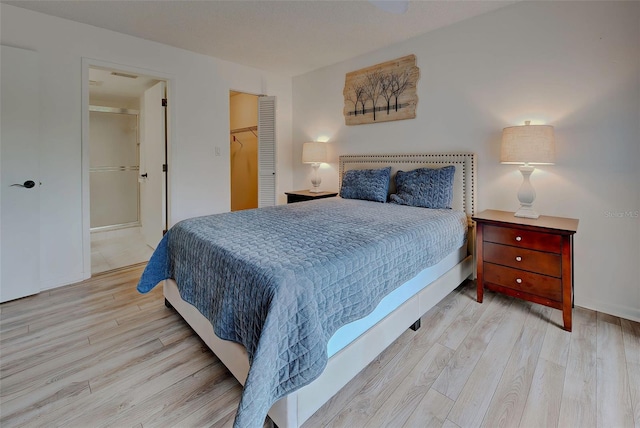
x=526 y=212
x=526 y=194
x=316 y=180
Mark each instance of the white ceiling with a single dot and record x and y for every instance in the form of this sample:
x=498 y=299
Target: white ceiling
x=107 y=84
x=289 y=37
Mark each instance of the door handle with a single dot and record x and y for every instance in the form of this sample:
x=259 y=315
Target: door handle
x=144 y=175
x=27 y=184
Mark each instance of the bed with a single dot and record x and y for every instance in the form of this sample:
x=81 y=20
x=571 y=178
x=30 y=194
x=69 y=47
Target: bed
x=302 y=355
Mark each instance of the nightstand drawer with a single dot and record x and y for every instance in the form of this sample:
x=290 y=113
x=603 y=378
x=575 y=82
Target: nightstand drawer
x=539 y=285
x=522 y=258
x=523 y=238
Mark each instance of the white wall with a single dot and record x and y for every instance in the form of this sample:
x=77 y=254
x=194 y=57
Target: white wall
x=199 y=180
x=573 y=65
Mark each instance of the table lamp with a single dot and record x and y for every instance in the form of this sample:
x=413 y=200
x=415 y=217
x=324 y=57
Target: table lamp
x=314 y=153
x=528 y=145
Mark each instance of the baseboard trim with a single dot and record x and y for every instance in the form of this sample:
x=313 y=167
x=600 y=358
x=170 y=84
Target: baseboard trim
x=60 y=282
x=120 y=269
x=625 y=312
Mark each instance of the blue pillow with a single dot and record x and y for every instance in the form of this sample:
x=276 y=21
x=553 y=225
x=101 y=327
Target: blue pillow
x=425 y=187
x=367 y=184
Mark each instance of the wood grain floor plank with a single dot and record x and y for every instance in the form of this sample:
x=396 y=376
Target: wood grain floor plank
x=25 y=415
x=70 y=363
x=136 y=370
x=432 y=411
x=396 y=409
x=36 y=347
x=454 y=377
x=88 y=310
x=132 y=321
x=455 y=334
x=38 y=388
x=633 y=369
x=556 y=341
x=614 y=406
x=117 y=390
x=61 y=335
x=542 y=408
x=377 y=389
x=220 y=411
x=380 y=387
x=473 y=401
x=336 y=404
x=143 y=369
x=507 y=404
x=11 y=333
x=226 y=421
x=86 y=291
x=631 y=339
x=38 y=354
x=107 y=403
x=73 y=327
x=449 y=424
x=171 y=405
x=578 y=408
x=436 y=319
x=59 y=313
x=21 y=309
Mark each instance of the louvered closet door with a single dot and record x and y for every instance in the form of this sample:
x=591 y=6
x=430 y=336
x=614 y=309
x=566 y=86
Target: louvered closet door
x=266 y=151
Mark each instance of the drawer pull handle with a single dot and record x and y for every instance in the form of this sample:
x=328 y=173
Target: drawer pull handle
x=518 y=258
x=518 y=238
x=519 y=281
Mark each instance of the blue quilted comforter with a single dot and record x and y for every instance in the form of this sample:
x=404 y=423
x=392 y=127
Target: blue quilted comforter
x=282 y=280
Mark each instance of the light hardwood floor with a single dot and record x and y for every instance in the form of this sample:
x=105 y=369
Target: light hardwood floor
x=99 y=354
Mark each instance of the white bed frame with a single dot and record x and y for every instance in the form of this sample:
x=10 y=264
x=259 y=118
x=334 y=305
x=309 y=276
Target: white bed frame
x=297 y=407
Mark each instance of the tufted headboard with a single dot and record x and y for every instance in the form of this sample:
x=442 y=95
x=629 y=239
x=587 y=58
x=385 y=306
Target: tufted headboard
x=464 y=181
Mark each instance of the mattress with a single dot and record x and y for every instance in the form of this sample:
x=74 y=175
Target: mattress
x=350 y=332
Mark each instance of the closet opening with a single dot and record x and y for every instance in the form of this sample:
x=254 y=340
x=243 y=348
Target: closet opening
x=243 y=150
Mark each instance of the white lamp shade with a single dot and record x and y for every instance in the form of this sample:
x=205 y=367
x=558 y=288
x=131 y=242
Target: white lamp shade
x=532 y=144
x=314 y=152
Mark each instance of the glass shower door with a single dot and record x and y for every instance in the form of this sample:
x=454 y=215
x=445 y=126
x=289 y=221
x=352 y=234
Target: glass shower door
x=114 y=168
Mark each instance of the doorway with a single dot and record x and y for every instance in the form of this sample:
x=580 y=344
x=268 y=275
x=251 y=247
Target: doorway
x=253 y=150
x=243 y=116
x=127 y=145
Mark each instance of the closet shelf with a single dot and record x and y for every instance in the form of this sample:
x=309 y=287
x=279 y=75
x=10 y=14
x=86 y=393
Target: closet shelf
x=247 y=129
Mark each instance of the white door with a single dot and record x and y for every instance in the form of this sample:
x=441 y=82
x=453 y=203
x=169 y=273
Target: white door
x=19 y=145
x=152 y=159
x=266 y=151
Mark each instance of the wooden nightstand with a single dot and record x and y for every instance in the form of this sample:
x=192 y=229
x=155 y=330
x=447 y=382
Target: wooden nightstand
x=527 y=258
x=305 y=195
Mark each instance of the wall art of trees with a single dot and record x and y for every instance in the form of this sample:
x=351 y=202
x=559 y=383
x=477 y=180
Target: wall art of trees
x=382 y=92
